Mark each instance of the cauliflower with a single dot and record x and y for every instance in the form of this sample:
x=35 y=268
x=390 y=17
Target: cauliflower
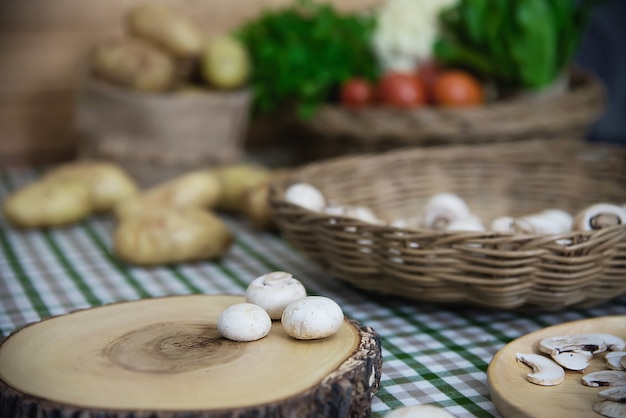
x=406 y=31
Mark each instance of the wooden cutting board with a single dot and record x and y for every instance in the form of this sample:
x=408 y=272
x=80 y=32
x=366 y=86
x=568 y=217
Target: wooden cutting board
x=515 y=397
x=164 y=357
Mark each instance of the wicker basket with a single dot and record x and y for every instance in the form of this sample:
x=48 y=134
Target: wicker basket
x=158 y=136
x=496 y=270
x=335 y=130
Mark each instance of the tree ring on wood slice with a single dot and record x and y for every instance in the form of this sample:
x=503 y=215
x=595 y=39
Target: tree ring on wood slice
x=163 y=357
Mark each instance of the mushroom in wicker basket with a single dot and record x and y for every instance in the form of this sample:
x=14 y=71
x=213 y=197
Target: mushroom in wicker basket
x=532 y=224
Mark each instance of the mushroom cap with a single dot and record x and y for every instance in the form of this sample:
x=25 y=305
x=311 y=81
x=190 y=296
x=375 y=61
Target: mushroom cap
x=312 y=317
x=467 y=223
x=613 y=342
x=244 y=322
x=305 y=195
x=545 y=372
x=274 y=291
x=443 y=208
x=598 y=216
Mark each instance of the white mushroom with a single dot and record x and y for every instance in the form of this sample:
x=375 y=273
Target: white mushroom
x=361 y=213
x=244 y=322
x=467 y=223
x=605 y=378
x=305 y=195
x=312 y=317
x=610 y=409
x=614 y=360
x=419 y=411
x=573 y=360
x=274 y=291
x=572 y=343
x=615 y=393
x=549 y=221
x=545 y=372
x=613 y=343
x=443 y=208
x=598 y=216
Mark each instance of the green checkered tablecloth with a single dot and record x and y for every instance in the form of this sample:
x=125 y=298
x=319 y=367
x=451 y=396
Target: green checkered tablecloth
x=431 y=354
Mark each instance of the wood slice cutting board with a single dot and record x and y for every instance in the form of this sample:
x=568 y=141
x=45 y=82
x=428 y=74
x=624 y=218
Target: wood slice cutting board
x=515 y=397
x=163 y=357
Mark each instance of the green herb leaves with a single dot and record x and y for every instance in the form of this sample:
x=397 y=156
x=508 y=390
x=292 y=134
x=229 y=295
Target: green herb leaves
x=301 y=53
x=514 y=43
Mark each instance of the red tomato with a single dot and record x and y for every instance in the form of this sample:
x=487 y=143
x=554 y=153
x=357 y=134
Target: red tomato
x=456 y=88
x=356 y=92
x=401 y=90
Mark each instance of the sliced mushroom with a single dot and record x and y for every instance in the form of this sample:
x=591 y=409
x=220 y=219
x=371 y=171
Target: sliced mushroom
x=443 y=208
x=610 y=409
x=545 y=372
x=605 y=378
x=616 y=394
x=614 y=360
x=598 y=216
x=613 y=343
x=568 y=343
x=573 y=360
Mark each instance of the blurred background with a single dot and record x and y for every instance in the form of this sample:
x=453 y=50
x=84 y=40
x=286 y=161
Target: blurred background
x=43 y=42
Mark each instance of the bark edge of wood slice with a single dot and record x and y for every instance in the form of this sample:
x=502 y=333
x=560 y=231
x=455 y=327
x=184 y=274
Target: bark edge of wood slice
x=193 y=348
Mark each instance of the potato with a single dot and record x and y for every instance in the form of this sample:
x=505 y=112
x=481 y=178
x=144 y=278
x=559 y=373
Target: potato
x=199 y=188
x=235 y=180
x=135 y=64
x=46 y=204
x=225 y=63
x=167 y=235
x=256 y=207
x=166 y=27
x=107 y=183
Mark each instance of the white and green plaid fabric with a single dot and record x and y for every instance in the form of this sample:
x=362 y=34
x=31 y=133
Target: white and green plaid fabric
x=431 y=354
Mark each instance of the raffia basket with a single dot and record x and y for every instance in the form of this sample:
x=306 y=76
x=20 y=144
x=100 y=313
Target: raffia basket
x=557 y=113
x=494 y=270
x=156 y=136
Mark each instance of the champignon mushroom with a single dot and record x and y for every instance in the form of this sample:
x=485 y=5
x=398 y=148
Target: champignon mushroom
x=305 y=195
x=572 y=343
x=615 y=393
x=598 y=216
x=549 y=221
x=605 y=378
x=572 y=360
x=610 y=409
x=244 y=322
x=443 y=208
x=361 y=213
x=614 y=360
x=613 y=343
x=274 y=291
x=419 y=411
x=468 y=223
x=545 y=372
x=312 y=317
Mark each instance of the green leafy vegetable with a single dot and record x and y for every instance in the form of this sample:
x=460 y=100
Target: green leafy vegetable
x=514 y=43
x=301 y=53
